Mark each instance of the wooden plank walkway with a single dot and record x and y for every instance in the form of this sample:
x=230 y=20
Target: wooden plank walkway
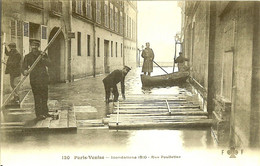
x=62 y=120
x=158 y=111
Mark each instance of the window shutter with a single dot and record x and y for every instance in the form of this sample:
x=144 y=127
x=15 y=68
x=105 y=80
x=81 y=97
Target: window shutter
x=44 y=41
x=26 y=29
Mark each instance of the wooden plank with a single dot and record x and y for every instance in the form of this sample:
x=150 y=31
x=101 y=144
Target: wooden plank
x=201 y=123
x=172 y=113
x=156 y=110
x=158 y=107
x=157 y=104
x=12 y=124
x=124 y=116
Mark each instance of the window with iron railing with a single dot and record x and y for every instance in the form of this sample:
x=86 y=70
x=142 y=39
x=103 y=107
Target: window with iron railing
x=116 y=20
x=125 y=27
x=98 y=12
x=79 y=5
x=121 y=23
x=106 y=13
x=111 y=16
x=89 y=9
x=56 y=6
x=35 y=3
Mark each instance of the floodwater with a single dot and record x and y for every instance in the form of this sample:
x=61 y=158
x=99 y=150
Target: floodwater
x=157 y=147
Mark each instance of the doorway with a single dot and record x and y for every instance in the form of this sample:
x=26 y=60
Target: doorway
x=106 y=56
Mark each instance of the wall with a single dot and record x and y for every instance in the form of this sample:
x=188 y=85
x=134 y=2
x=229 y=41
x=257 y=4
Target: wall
x=81 y=65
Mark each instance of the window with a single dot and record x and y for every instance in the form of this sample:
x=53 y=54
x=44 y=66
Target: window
x=129 y=27
x=116 y=20
x=121 y=23
x=111 y=16
x=134 y=30
x=106 y=13
x=19 y=28
x=79 y=43
x=26 y=29
x=125 y=27
x=79 y=6
x=98 y=12
x=116 y=49
x=13 y=28
x=88 y=42
x=121 y=50
x=89 y=9
x=44 y=32
x=111 y=48
x=98 y=47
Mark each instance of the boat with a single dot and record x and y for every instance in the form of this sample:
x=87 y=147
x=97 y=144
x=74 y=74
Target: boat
x=170 y=79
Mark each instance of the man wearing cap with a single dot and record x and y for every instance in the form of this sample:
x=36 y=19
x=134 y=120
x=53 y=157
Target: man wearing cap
x=148 y=56
x=13 y=67
x=181 y=62
x=39 y=78
x=111 y=81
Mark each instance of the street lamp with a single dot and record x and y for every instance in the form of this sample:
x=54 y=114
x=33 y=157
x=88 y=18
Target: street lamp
x=176 y=38
x=139 y=51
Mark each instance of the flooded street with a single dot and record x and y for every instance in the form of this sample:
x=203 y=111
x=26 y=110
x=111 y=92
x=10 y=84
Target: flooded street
x=100 y=140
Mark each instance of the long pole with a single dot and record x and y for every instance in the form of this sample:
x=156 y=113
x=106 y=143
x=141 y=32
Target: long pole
x=32 y=67
x=160 y=67
x=2 y=72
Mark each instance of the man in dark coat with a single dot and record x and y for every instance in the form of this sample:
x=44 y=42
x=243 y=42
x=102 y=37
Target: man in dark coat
x=111 y=81
x=39 y=78
x=181 y=62
x=148 y=56
x=13 y=67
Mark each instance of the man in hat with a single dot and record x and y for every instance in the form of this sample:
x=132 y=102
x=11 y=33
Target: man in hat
x=13 y=67
x=39 y=78
x=111 y=81
x=181 y=62
x=148 y=56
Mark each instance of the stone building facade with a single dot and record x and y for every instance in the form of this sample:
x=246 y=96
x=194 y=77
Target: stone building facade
x=96 y=36
x=222 y=41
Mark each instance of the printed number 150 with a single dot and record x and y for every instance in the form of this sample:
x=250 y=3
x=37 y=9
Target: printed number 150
x=65 y=157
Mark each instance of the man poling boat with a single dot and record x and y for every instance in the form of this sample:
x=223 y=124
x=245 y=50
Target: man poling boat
x=168 y=79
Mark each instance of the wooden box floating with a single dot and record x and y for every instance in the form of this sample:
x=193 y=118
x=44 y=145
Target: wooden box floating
x=153 y=111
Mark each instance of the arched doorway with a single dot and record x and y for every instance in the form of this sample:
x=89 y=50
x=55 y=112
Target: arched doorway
x=56 y=53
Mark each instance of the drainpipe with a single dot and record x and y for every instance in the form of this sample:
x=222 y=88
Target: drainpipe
x=69 y=43
x=123 y=34
x=212 y=31
x=255 y=85
x=94 y=52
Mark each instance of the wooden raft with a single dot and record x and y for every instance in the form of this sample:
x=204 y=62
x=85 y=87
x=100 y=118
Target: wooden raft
x=157 y=111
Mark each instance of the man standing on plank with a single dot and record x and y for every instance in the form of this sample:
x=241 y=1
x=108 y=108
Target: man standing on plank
x=39 y=79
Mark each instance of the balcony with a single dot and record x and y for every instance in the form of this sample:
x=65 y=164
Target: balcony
x=34 y=4
x=56 y=8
